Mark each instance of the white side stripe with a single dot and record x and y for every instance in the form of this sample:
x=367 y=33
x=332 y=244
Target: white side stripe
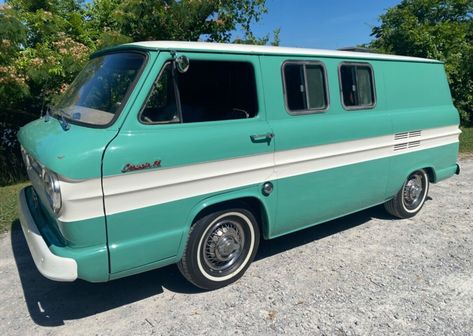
x=312 y=159
x=83 y=200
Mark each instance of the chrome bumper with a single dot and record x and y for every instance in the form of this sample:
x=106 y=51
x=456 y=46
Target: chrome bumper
x=50 y=265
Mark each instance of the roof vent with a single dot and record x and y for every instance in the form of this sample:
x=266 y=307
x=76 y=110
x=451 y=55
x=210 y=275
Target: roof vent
x=357 y=49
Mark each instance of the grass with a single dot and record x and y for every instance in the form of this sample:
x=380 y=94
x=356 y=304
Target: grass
x=466 y=140
x=9 y=194
x=8 y=205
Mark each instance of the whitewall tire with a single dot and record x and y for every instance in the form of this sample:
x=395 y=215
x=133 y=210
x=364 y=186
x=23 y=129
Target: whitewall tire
x=411 y=198
x=220 y=248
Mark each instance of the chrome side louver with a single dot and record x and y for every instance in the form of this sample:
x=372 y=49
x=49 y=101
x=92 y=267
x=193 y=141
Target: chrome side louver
x=414 y=134
x=407 y=135
x=400 y=146
x=414 y=144
x=399 y=136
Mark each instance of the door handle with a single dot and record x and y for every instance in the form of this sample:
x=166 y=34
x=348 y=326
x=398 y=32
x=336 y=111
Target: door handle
x=262 y=137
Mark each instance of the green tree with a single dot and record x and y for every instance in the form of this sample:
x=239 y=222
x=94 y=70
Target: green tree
x=13 y=86
x=185 y=20
x=103 y=23
x=439 y=29
x=45 y=43
x=51 y=48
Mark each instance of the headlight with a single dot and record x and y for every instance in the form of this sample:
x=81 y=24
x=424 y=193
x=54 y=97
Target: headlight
x=53 y=190
x=26 y=158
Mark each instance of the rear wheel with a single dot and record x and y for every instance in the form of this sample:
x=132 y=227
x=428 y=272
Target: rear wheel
x=220 y=248
x=410 y=199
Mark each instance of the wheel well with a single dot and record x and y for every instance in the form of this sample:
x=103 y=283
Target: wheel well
x=251 y=204
x=430 y=172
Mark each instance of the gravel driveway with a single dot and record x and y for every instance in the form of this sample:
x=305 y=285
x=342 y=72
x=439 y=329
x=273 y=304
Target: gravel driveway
x=364 y=274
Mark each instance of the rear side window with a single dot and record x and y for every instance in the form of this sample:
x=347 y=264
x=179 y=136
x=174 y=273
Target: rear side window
x=208 y=91
x=357 y=85
x=305 y=87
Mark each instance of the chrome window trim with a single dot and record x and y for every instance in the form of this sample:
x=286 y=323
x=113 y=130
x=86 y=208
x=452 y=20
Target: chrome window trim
x=158 y=77
x=373 y=82
x=326 y=88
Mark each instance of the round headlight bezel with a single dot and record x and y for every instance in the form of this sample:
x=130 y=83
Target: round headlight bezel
x=26 y=159
x=52 y=188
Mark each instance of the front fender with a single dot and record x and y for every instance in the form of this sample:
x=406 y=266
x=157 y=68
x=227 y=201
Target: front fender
x=267 y=204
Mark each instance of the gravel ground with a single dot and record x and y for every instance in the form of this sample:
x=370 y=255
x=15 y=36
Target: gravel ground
x=364 y=274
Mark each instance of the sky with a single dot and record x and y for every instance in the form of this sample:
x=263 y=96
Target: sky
x=323 y=24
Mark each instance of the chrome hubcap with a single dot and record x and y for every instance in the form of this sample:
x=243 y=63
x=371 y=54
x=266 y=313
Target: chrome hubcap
x=413 y=191
x=223 y=245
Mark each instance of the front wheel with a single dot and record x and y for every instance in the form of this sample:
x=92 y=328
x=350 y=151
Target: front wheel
x=410 y=199
x=220 y=248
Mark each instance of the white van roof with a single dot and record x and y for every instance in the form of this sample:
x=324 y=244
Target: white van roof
x=270 y=50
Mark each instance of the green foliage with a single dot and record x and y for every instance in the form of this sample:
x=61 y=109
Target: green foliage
x=45 y=43
x=439 y=29
x=13 y=87
x=250 y=38
x=49 y=48
x=466 y=140
x=102 y=22
x=9 y=205
x=186 y=20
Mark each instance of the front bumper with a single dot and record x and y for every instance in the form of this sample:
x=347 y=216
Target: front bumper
x=50 y=265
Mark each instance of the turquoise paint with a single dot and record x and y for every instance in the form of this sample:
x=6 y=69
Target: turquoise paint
x=144 y=268
x=160 y=228
x=318 y=197
x=75 y=154
x=84 y=232
x=268 y=204
x=444 y=173
x=322 y=195
x=138 y=143
x=416 y=85
x=195 y=49
x=155 y=236
x=182 y=207
x=148 y=235
x=441 y=160
x=45 y=225
x=92 y=260
x=73 y=234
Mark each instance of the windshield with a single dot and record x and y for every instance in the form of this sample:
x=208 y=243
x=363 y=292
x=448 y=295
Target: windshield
x=100 y=89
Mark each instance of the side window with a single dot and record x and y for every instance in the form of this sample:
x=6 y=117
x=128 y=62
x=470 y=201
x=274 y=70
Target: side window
x=305 y=87
x=357 y=86
x=208 y=91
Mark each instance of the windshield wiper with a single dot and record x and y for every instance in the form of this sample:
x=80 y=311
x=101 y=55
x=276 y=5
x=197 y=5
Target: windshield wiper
x=64 y=124
x=46 y=114
x=62 y=121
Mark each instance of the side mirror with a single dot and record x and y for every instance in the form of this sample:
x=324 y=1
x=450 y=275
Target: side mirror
x=182 y=64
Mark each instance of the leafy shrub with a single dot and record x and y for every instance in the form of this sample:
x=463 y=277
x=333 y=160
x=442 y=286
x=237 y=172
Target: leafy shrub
x=12 y=169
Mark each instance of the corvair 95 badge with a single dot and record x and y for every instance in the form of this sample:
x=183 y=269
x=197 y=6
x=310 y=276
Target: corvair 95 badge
x=146 y=165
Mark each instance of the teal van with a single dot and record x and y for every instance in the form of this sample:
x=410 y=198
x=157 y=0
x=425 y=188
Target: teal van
x=190 y=153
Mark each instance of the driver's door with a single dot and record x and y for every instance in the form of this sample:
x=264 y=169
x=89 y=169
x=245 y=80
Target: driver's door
x=218 y=141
